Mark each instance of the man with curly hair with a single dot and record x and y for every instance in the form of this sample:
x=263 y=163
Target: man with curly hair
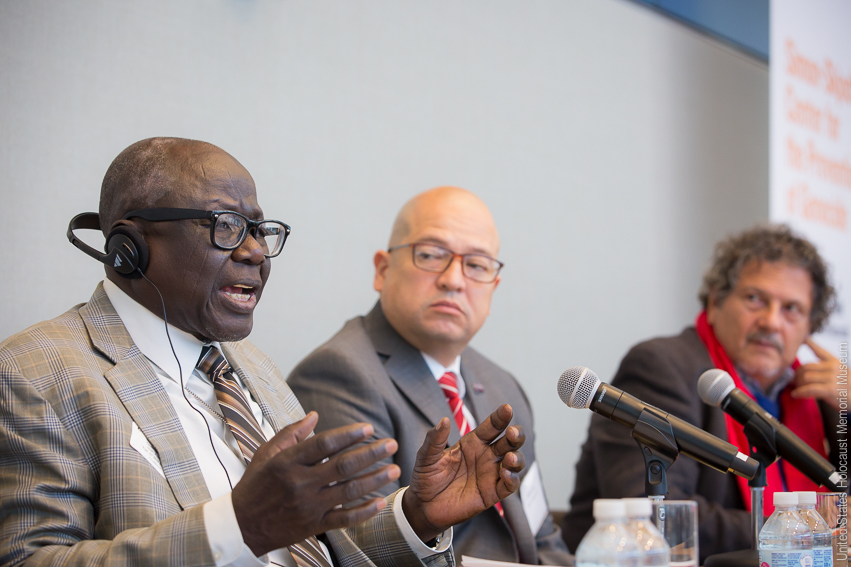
x=765 y=293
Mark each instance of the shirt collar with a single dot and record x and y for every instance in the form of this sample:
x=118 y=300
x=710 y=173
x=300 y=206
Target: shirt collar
x=148 y=332
x=438 y=370
x=773 y=392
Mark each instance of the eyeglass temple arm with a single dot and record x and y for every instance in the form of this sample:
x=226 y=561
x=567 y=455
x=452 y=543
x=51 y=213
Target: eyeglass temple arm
x=167 y=214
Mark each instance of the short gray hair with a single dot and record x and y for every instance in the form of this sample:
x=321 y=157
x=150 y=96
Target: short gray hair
x=769 y=243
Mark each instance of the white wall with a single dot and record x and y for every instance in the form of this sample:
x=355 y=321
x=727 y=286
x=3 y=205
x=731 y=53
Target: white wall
x=613 y=146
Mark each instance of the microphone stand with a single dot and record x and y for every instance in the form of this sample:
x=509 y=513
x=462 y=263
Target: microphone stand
x=763 y=448
x=655 y=436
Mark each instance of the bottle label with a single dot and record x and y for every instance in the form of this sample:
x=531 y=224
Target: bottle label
x=786 y=558
x=823 y=557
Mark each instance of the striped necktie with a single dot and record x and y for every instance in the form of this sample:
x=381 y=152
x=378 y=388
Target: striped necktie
x=449 y=384
x=249 y=435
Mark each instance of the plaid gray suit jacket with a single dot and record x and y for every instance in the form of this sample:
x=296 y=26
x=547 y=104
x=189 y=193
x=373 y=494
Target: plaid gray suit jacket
x=73 y=491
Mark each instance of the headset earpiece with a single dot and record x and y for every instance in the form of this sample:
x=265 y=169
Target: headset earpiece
x=126 y=249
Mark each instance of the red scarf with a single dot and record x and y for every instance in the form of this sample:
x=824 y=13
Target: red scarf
x=802 y=416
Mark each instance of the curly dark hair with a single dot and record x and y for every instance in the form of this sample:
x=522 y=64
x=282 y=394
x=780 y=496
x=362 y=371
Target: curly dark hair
x=770 y=243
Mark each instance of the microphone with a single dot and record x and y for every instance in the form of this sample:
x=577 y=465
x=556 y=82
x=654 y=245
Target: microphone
x=579 y=387
x=716 y=388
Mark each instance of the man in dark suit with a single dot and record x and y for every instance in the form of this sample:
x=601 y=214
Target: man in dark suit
x=765 y=293
x=141 y=428
x=406 y=365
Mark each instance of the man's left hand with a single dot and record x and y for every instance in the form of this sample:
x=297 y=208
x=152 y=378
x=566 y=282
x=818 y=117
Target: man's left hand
x=820 y=379
x=450 y=486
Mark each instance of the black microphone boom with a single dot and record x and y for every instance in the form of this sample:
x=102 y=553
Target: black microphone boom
x=579 y=387
x=716 y=388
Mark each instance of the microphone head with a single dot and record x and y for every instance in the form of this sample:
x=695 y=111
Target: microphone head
x=714 y=385
x=576 y=387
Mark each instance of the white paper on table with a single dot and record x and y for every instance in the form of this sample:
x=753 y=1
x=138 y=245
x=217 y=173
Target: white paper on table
x=533 y=498
x=467 y=561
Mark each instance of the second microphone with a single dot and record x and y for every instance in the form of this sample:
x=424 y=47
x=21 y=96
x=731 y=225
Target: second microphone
x=579 y=387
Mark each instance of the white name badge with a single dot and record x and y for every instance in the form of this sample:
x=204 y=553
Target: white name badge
x=139 y=442
x=533 y=498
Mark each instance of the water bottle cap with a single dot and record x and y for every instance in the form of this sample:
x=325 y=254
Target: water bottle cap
x=785 y=499
x=638 y=507
x=609 y=509
x=807 y=498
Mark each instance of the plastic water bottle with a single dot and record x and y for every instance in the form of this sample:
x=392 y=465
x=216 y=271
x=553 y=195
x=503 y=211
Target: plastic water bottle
x=652 y=548
x=607 y=543
x=822 y=534
x=785 y=539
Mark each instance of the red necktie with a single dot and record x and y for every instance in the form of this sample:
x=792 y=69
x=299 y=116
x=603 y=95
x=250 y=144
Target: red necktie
x=449 y=384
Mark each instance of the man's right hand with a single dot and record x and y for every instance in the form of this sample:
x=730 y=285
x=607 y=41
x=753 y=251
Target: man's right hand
x=284 y=495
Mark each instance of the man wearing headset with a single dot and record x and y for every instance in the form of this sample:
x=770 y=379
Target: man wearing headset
x=141 y=428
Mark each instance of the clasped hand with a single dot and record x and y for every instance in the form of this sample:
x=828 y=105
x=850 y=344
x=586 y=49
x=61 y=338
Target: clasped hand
x=290 y=491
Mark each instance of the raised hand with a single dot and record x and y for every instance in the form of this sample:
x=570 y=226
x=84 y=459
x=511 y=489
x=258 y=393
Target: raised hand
x=819 y=379
x=450 y=486
x=286 y=495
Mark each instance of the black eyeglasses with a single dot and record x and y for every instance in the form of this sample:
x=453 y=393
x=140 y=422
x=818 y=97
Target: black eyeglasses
x=434 y=258
x=228 y=229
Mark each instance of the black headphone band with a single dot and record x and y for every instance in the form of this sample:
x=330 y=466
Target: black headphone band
x=88 y=221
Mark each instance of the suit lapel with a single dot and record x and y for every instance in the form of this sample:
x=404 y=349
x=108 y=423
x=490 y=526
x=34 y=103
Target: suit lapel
x=483 y=401
x=279 y=404
x=524 y=539
x=409 y=371
x=140 y=391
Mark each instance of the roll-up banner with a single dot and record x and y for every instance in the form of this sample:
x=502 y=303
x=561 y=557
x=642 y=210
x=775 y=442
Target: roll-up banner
x=810 y=102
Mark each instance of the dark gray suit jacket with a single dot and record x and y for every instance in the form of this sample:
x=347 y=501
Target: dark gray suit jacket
x=663 y=372
x=368 y=372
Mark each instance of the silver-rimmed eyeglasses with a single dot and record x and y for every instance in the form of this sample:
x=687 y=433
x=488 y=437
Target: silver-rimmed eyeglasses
x=228 y=229
x=434 y=258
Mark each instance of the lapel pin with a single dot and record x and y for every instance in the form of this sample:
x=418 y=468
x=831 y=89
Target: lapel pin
x=478 y=388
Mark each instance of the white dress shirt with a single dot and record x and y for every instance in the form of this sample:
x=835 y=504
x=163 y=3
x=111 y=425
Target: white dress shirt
x=439 y=370
x=210 y=438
